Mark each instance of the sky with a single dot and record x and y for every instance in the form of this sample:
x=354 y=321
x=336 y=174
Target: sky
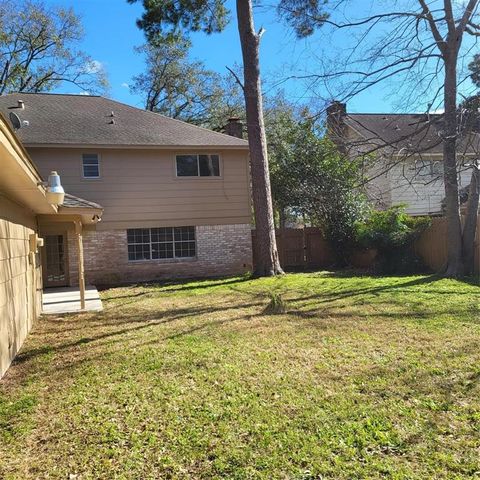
x=111 y=35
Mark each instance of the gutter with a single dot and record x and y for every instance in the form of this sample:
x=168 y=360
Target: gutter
x=137 y=147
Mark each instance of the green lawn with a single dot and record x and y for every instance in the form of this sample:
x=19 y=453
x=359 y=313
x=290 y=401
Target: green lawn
x=360 y=378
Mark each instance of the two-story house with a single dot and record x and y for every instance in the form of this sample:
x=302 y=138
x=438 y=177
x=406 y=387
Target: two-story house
x=175 y=197
x=403 y=156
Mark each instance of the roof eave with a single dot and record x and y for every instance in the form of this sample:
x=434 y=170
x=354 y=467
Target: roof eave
x=89 y=215
x=64 y=210
x=136 y=147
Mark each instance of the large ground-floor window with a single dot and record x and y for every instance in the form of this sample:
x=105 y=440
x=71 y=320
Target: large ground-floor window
x=161 y=243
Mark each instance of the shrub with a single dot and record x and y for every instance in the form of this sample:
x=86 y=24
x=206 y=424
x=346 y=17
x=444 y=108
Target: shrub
x=393 y=233
x=276 y=306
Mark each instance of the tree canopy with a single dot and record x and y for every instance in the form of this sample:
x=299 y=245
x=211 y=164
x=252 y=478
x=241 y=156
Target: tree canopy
x=38 y=49
x=176 y=86
x=167 y=17
x=311 y=178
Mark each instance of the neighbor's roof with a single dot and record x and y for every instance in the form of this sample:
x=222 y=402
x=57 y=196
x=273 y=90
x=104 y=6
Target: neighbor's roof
x=407 y=133
x=60 y=119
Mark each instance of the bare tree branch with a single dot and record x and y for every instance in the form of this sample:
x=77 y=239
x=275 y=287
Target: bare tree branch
x=236 y=77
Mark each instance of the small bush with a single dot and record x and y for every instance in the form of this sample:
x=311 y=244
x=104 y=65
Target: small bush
x=393 y=233
x=276 y=306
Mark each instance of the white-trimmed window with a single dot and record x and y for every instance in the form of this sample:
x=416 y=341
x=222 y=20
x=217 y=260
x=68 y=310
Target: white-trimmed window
x=90 y=165
x=161 y=243
x=198 y=165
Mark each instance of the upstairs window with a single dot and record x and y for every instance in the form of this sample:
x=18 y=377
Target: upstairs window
x=198 y=166
x=161 y=243
x=90 y=165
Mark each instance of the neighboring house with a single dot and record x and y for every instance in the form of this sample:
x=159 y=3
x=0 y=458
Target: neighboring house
x=407 y=156
x=176 y=197
x=24 y=205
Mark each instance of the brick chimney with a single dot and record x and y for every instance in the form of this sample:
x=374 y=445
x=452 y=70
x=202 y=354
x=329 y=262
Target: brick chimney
x=234 y=127
x=336 y=127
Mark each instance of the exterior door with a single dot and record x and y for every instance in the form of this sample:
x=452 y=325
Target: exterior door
x=55 y=261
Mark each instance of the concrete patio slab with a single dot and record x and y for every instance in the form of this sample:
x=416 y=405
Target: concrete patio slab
x=67 y=300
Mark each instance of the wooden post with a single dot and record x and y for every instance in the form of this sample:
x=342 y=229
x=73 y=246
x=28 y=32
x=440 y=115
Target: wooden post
x=81 y=272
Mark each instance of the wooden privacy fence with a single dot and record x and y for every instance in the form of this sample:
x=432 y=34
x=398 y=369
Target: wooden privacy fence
x=432 y=245
x=300 y=248
x=306 y=248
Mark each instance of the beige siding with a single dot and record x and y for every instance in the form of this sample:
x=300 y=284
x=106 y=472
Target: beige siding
x=140 y=188
x=20 y=280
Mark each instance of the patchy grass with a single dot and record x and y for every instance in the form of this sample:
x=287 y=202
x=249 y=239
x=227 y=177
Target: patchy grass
x=360 y=378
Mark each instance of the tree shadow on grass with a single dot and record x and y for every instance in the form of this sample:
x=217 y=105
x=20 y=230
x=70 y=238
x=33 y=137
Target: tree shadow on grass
x=341 y=292
x=112 y=327
x=473 y=280
x=154 y=290
x=181 y=285
x=139 y=323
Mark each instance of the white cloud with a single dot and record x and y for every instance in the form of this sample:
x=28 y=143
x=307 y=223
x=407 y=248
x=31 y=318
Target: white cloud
x=83 y=92
x=125 y=85
x=94 y=66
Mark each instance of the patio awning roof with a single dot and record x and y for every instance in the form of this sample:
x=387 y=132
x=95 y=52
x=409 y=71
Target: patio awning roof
x=75 y=209
x=90 y=212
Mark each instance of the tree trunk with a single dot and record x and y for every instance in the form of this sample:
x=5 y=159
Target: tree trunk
x=267 y=258
x=470 y=227
x=454 y=227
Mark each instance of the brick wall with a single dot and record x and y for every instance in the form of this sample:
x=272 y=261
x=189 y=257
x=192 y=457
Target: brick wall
x=221 y=250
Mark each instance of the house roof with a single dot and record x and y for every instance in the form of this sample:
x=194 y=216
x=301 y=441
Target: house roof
x=407 y=133
x=72 y=120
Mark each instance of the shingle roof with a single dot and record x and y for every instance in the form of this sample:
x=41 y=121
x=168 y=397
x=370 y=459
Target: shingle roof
x=92 y=120
x=71 y=201
x=409 y=133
